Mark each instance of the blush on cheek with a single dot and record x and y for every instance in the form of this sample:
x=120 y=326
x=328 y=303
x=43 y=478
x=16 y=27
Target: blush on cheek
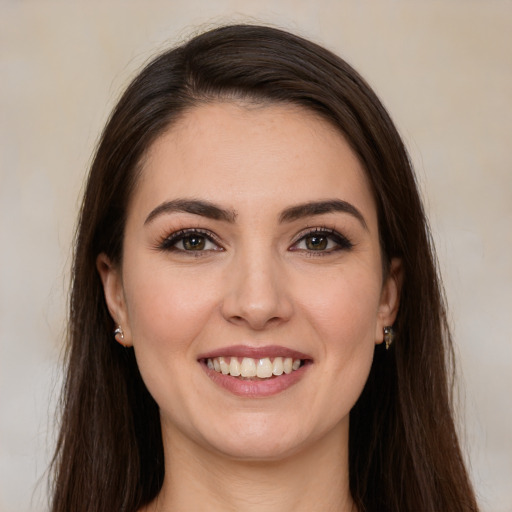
x=167 y=311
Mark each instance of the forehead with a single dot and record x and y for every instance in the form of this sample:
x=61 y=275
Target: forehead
x=252 y=154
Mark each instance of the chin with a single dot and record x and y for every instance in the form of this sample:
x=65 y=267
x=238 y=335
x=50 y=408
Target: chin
x=262 y=439
x=257 y=450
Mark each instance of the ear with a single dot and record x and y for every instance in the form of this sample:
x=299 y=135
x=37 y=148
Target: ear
x=389 y=299
x=114 y=296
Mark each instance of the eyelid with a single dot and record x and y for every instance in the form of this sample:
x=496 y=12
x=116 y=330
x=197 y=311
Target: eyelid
x=167 y=242
x=342 y=241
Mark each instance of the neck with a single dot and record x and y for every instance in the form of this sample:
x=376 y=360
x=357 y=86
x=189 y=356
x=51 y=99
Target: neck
x=315 y=478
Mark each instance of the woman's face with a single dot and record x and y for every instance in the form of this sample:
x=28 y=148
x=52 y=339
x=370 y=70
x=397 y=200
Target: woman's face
x=251 y=246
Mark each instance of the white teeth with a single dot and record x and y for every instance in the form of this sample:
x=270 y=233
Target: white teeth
x=224 y=366
x=278 y=368
x=234 y=367
x=248 y=367
x=262 y=368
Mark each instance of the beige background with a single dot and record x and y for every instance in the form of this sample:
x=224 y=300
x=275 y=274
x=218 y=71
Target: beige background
x=444 y=69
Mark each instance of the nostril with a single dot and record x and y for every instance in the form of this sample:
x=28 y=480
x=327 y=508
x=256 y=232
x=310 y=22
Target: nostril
x=255 y=323
x=255 y=307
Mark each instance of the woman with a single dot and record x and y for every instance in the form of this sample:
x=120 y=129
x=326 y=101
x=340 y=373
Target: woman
x=256 y=321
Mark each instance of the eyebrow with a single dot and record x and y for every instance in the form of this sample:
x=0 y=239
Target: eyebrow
x=212 y=211
x=194 y=206
x=319 y=208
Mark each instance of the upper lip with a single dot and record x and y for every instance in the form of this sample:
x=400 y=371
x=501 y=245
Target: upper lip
x=254 y=352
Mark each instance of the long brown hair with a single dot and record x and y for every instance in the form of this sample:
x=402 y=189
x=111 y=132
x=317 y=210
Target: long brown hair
x=404 y=452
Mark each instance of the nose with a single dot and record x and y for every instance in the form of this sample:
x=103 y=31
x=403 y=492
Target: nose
x=256 y=291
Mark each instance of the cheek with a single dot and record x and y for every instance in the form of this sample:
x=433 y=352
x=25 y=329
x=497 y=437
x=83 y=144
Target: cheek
x=168 y=312
x=338 y=312
x=167 y=308
x=343 y=306
x=342 y=310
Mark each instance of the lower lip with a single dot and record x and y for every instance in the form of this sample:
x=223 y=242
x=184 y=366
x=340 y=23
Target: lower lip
x=256 y=388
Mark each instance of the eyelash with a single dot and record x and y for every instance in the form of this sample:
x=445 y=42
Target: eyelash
x=169 y=242
x=342 y=242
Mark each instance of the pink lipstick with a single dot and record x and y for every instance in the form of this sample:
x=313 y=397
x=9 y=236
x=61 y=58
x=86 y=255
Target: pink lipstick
x=255 y=372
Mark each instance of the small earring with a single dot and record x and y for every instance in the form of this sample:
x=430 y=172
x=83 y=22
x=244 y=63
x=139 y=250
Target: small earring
x=119 y=335
x=389 y=336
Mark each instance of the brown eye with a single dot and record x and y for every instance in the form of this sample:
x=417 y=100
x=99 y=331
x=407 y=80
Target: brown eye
x=190 y=241
x=322 y=241
x=316 y=242
x=194 y=243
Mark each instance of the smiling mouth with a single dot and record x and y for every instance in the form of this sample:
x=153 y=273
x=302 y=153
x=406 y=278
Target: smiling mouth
x=248 y=368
